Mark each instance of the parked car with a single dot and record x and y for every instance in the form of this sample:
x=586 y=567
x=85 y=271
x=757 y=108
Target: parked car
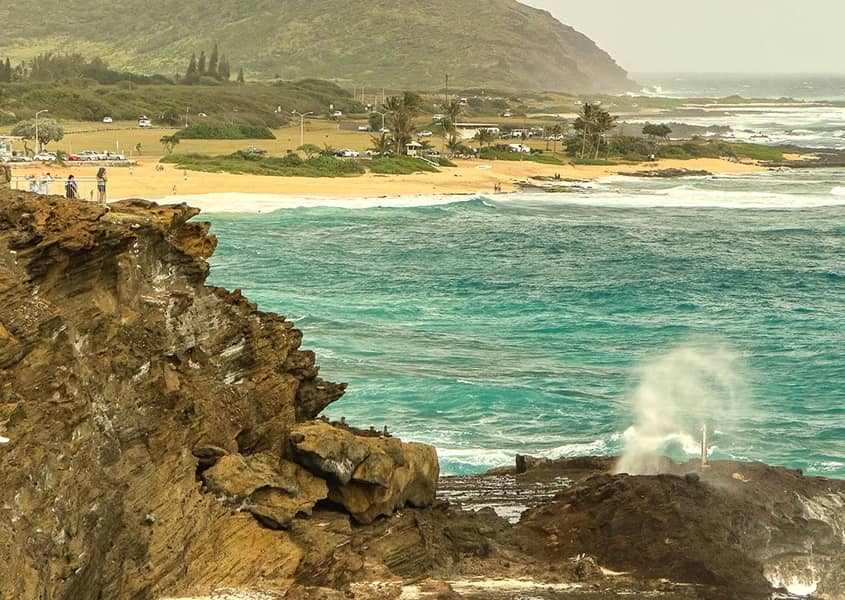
x=115 y=156
x=347 y=153
x=425 y=134
x=384 y=130
x=144 y=122
x=363 y=127
x=337 y=114
x=45 y=156
x=255 y=150
x=107 y=120
x=521 y=148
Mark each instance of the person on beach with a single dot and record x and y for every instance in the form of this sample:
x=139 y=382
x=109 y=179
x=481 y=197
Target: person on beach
x=71 y=189
x=101 y=185
x=44 y=183
x=33 y=184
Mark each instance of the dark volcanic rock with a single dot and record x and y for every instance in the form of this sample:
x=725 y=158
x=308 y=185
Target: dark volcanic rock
x=736 y=525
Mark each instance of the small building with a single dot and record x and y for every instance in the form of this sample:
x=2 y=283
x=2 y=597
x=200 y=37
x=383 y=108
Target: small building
x=468 y=131
x=413 y=148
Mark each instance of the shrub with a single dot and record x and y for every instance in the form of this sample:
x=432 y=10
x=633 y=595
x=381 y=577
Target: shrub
x=226 y=131
x=285 y=166
x=400 y=165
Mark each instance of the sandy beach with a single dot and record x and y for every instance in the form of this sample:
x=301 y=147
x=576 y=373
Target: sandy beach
x=469 y=177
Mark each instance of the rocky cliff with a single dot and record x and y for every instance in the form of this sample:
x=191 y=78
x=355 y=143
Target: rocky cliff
x=161 y=438
x=158 y=429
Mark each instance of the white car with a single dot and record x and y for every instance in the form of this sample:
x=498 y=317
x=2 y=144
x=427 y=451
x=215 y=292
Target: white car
x=337 y=114
x=107 y=120
x=425 y=134
x=384 y=130
x=348 y=153
x=363 y=127
x=45 y=156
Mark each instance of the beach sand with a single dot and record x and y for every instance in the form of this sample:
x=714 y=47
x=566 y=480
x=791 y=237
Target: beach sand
x=470 y=177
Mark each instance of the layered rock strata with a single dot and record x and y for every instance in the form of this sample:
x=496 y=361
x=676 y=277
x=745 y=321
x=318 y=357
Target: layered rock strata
x=159 y=438
x=148 y=416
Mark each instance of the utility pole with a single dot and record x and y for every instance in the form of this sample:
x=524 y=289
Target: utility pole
x=447 y=91
x=302 y=125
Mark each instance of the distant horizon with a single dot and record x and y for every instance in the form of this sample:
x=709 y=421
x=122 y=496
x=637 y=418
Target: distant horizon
x=742 y=73
x=721 y=37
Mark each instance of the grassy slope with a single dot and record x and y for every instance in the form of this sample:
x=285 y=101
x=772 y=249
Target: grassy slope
x=406 y=43
x=251 y=103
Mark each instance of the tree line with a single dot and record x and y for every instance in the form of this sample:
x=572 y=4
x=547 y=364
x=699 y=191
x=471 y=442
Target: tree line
x=49 y=66
x=215 y=66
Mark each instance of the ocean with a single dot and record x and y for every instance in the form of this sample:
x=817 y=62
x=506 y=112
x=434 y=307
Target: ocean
x=624 y=314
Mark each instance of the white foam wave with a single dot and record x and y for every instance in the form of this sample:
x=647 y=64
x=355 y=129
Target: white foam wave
x=838 y=191
x=488 y=458
x=683 y=197
x=259 y=203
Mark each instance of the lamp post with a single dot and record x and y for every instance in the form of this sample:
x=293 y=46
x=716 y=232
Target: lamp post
x=383 y=115
x=37 y=141
x=301 y=125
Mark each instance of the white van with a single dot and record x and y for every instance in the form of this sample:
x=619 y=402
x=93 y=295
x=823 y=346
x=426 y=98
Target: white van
x=144 y=122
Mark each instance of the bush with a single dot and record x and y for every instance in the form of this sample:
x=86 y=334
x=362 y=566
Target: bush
x=503 y=153
x=226 y=131
x=400 y=165
x=285 y=166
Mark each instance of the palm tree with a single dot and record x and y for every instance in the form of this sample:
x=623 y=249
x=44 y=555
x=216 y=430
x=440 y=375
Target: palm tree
x=485 y=136
x=556 y=132
x=169 y=142
x=381 y=143
x=584 y=123
x=454 y=143
x=401 y=111
x=602 y=123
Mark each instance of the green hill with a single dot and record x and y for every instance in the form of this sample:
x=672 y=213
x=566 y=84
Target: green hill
x=377 y=43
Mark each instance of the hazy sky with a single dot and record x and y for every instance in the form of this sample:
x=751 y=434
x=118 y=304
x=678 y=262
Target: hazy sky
x=716 y=36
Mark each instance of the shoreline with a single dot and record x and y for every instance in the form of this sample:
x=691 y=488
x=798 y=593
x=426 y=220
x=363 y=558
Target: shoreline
x=469 y=177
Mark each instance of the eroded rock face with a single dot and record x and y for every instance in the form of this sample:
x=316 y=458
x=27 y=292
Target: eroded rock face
x=370 y=476
x=146 y=411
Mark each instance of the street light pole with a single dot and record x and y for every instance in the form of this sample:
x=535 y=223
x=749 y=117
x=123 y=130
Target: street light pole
x=37 y=141
x=301 y=125
x=383 y=115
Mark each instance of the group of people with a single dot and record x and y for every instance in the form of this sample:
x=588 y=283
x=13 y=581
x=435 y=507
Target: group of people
x=40 y=185
x=72 y=188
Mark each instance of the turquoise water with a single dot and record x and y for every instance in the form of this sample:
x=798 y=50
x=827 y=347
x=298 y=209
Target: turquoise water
x=526 y=323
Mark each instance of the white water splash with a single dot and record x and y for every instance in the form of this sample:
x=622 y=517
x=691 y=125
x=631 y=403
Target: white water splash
x=679 y=392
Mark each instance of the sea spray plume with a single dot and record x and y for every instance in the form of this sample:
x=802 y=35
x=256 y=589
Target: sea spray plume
x=691 y=386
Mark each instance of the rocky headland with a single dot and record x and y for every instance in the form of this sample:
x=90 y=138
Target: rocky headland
x=161 y=438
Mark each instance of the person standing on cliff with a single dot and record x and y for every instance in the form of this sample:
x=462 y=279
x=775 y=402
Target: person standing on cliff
x=101 y=185
x=71 y=189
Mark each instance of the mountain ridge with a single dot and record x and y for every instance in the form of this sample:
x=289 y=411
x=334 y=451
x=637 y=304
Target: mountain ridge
x=382 y=43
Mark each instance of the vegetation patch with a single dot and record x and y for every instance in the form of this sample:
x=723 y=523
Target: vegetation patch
x=291 y=165
x=226 y=131
x=499 y=154
x=400 y=165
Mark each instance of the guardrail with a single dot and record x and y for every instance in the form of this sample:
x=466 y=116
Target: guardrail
x=86 y=186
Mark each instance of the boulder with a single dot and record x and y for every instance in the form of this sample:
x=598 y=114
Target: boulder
x=273 y=490
x=368 y=476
